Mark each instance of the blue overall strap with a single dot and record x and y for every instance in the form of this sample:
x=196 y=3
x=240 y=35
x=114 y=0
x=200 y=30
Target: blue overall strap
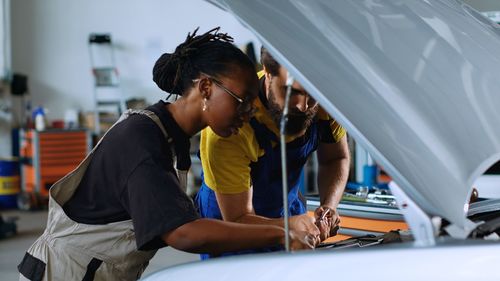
x=266 y=172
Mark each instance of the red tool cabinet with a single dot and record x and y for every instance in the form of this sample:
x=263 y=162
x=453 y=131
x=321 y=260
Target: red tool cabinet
x=47 y=156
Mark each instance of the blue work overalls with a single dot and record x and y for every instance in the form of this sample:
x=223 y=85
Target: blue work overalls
x=266 y=179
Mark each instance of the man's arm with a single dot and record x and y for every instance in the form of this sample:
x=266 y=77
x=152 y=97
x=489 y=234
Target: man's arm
x=333 y=170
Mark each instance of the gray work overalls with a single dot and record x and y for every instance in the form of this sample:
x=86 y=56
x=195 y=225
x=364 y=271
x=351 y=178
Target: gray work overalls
x=76 y=251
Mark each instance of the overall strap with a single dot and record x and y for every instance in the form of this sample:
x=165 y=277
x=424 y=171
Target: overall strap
x=151 y=116
x=62 y=195
x=181 y=174
x=263 y=135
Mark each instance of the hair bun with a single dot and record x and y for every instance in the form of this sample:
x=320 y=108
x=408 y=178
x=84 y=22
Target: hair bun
x=211 y=53
x=164 y=72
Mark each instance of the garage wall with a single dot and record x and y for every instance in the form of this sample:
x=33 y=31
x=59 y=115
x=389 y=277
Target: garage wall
x=49 y=43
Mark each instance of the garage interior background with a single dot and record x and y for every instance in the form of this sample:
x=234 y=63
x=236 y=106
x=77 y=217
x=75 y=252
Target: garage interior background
x=47 y=41
x=49 y=44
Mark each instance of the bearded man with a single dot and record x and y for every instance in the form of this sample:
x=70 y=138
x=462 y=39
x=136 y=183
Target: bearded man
x=242 y=173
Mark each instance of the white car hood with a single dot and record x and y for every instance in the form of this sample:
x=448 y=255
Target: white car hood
x=416 y=82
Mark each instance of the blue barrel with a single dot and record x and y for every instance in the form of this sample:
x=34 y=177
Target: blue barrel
x=9 y=183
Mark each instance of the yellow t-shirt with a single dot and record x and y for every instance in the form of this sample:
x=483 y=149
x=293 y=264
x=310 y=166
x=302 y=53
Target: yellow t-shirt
x=226 y=161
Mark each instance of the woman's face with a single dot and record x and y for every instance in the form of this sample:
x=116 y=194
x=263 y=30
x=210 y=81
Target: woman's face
x=231 y=102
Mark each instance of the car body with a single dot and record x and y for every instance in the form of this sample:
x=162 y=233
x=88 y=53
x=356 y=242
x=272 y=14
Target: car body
x=415 y=82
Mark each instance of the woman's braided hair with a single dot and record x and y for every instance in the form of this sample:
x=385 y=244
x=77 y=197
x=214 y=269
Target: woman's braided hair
x=212 y=53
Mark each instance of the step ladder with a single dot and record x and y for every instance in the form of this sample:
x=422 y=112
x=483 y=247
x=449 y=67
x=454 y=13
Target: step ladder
x=109 y=103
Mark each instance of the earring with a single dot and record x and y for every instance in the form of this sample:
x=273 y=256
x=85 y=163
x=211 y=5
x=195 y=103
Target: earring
x=204 y=104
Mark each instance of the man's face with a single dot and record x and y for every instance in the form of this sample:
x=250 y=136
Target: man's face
x=302 y=107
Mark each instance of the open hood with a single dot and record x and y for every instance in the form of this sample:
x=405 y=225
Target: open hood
x=415 y=82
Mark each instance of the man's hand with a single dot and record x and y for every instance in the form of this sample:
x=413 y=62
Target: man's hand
x=302 y=240
x=327 y=221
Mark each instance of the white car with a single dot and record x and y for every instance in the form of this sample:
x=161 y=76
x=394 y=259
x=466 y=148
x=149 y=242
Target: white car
x=415 y=82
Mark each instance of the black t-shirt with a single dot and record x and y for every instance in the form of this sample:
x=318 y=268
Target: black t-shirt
x=131 y=176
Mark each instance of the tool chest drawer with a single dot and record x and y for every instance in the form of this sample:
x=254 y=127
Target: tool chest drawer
x=47 y=156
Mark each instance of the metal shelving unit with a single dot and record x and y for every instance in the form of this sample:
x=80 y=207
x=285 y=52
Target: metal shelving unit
x=109 y=103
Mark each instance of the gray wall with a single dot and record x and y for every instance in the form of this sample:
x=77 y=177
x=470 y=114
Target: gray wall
x=49 y=44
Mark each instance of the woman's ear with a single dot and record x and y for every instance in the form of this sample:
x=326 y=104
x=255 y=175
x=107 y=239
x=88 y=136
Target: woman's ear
x=205 y=88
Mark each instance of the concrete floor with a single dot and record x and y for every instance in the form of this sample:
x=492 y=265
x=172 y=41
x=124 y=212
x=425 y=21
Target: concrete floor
x=31 y=224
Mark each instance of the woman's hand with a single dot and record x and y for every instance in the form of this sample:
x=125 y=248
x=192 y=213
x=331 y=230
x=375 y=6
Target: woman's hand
x=302 y=240
x=304 y=223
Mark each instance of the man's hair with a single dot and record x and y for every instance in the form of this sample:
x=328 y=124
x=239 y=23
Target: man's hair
x=271 y=65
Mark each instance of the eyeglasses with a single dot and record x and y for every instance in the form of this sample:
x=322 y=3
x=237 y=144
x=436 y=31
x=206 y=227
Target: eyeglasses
x=245 y=107
x=219 y=84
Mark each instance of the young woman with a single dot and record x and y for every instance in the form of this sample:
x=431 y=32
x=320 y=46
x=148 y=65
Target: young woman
x=126 y=200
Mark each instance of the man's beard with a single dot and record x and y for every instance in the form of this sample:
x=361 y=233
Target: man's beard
x=297 y=121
